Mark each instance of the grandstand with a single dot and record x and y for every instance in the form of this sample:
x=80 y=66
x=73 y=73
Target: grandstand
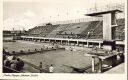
x=81 y=29
x=120 y=29
x=42 y=31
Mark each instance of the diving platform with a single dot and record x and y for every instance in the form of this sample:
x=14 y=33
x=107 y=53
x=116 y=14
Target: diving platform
x=103 y=12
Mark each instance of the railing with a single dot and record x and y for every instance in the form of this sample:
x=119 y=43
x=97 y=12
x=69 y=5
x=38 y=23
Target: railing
x=75 y=21
x=106 y=8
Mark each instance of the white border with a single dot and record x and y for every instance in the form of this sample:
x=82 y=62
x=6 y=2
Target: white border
x=61 y=76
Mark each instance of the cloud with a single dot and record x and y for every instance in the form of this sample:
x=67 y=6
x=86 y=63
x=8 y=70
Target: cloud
x=25 y=20
x=29 y=14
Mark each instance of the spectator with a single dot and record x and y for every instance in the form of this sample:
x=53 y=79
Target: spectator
x=51 y=69
x=19 y=65
x=7 y=63
x=88 y=35
x=28 y=50
x=14 y=58
x=4 y=51
x=40 y=67
x=10 y=57
x=13 y=62
x=4 y=57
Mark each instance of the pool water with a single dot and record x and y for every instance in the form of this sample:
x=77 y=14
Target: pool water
x=58 y=58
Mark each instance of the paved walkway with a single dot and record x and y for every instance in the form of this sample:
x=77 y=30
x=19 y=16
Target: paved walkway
x=117 y=70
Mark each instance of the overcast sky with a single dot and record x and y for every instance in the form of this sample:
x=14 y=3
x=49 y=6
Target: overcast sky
x=27 y=14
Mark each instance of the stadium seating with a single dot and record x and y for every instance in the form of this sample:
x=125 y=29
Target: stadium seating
x=58 y=30
x=76 y=28
x=42 y=31
x=97 y=31
x=120 y=29
x=90 y=28
x=64 y=30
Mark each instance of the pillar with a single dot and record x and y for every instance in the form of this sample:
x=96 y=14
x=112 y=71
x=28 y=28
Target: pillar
x=100 y=66
x=77 y=43
x=83 y=44
x=93 y=64
x=99 y=45
x=107 y=31
x=68 y=42
x=74 y=43
x=48 y=40
x=87 y=44
x=113 y=22
x=61 y=42
x=36 y=40
x=44 y=40
x=40 y=40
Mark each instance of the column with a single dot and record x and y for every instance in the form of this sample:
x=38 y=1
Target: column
x=40 y=40
x=100 y=65
x=77 y=43
x=93 y=64
x=69 y=43
x=48 y=40
x=44 y=40
x=74 y=43
x=83 y=44
x=107 y=29
x=99 y=45
x=87 y=44
x=61 y=42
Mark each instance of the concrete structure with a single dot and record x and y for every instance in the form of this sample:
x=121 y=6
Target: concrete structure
x=75 y=42
x=101 y=59
x=109 y=23
x=109 y=26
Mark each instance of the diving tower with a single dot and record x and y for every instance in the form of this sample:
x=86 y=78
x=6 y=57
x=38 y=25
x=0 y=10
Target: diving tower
x=109 y=20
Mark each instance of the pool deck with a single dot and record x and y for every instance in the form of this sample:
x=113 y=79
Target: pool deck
x=118 y=69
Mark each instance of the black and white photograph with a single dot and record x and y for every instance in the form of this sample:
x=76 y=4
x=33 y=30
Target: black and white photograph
x=64 y=36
